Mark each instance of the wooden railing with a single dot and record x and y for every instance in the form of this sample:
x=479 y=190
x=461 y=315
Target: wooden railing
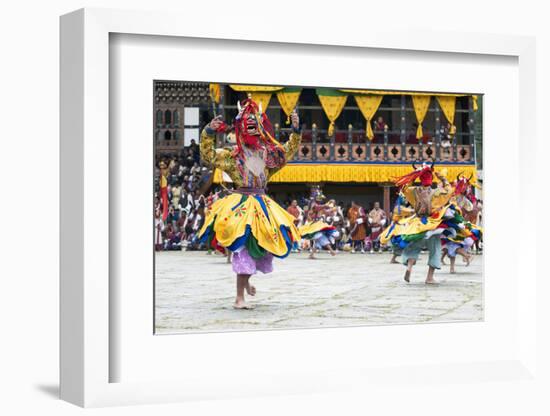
x=382 y=150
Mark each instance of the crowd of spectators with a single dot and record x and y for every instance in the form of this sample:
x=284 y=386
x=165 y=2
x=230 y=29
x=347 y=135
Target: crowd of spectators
x=188 y=204
x=186 y=181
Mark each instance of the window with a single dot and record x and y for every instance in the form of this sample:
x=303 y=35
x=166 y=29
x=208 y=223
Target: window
x=167 y=135
x=159 y=118
x=176 y=118
x=168 y=118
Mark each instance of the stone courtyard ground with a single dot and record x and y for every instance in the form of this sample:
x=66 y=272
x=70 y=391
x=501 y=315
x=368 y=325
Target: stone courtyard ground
x=195 y=292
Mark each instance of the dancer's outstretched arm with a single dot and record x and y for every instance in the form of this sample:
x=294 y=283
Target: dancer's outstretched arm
x=218 y=158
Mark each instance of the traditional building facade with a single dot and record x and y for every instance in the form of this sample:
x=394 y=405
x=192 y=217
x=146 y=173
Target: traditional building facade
x=170 y=100
x=354 y=142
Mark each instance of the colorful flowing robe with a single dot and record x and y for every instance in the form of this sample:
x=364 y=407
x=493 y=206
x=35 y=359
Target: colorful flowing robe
x=316 y=229
x=430 y=206
x=467 y=232
x=248 y=218
x=435 y=213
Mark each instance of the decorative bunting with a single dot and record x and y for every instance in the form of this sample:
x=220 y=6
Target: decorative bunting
x=368 y=104
x=261 y=98
x=254 y=88
x=333 y=102
x=421 y=103
x=448 y=105
x=288 y=98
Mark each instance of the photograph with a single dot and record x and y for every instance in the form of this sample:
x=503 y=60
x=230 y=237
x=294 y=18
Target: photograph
x=286 y=207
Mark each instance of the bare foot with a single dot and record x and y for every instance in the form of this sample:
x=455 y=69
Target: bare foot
x=407 y=276
x=468 y=259
x=393 y=261
x=452 y=271
x=431 y=281
x=311 y=256
x=251 y=290
x=241 y=304
x=332 y=253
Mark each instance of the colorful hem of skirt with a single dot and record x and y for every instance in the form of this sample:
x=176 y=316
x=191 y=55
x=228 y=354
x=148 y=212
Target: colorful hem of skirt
x=309 y=230
x=250 y=221
x=448 y=223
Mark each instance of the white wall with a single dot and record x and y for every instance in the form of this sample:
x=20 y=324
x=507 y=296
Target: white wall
x=29 y=172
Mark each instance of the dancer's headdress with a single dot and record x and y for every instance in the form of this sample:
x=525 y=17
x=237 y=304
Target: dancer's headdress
x=251 y=115
x=462 y=183
x=424 y=173
x=465 y=186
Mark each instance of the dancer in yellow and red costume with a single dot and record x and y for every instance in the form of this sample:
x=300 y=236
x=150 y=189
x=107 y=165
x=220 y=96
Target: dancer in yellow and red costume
x=248 y=222
x=432 y=219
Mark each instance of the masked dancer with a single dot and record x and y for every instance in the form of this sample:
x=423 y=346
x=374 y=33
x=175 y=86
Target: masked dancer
x=247 y=222
x=431 y=219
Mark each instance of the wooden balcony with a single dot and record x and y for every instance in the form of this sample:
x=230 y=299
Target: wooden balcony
x=357 y=149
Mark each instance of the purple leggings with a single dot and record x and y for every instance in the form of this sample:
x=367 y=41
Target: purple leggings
x=243 y=263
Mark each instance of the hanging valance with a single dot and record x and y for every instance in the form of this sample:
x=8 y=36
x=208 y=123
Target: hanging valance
x=288 y=98
x=344 y=172
x=333 y=102
x=254 y=88
x=421 y=103
x=368 y=104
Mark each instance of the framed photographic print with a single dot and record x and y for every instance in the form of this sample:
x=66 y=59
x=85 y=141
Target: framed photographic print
x=283 y=201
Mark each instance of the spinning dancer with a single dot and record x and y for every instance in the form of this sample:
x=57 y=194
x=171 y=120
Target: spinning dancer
x=247 y=222
x=467 y=233
x=431 y=219
x=315 y=229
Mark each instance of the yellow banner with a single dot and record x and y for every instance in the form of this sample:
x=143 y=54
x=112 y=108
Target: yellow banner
x=262 y=98
x=215 y=92
x=384 y=92
x=421 y=104
x=448 y=105
x=368 y=104
x=251 y=88
x=288 y=98
x=313 y=172
x=333 y=106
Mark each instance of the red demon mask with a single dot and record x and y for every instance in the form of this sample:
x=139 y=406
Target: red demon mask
x=424 y=174
x=254 y=130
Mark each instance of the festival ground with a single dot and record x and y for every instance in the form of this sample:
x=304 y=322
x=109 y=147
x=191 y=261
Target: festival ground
x=195 y=292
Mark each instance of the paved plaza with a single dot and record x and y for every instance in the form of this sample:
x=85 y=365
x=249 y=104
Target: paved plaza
x=195 y=292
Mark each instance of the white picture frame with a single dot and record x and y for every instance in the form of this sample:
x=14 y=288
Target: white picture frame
x=86 y=194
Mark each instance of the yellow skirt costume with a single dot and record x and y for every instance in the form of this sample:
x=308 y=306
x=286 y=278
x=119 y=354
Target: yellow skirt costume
x=248 y=222
x=254 y=222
